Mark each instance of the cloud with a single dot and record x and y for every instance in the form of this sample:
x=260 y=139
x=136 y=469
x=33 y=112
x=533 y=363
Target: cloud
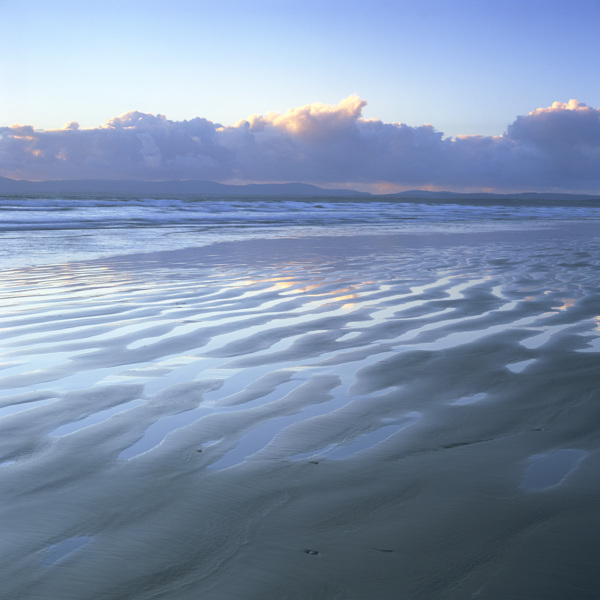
x=562 y=143
x=553 y=148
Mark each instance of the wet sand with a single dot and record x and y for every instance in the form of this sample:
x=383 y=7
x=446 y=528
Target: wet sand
x=409 y=416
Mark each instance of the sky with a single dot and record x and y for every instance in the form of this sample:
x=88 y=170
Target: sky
x=386 y=95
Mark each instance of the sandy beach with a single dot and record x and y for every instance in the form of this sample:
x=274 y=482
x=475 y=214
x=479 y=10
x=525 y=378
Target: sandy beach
x=378 y=416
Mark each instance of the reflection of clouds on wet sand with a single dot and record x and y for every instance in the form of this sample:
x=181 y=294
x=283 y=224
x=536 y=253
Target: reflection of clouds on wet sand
x=302 y=419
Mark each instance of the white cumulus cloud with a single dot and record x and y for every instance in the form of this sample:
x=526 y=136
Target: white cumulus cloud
x=552 y=148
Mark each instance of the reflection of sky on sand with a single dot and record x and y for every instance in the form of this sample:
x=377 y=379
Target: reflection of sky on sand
x=593 y=345
x=470 y=399
x=548 y=470
x=520 y=366
x=12 y=409
x=347 y=448
x=98 y=417
x=547 y=332
x=157 y=432
x=594 y=340
x=60 y=551
x=566 y=304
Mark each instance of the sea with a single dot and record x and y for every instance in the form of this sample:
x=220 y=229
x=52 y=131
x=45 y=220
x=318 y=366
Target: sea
x=298 y=398
x=45 y=230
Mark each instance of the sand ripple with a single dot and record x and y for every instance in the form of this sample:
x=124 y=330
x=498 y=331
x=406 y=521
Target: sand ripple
x=298 y=413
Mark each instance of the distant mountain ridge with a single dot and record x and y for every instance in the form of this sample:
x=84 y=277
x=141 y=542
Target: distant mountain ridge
x=427 y=195
x=200 y=187
x=211 y=188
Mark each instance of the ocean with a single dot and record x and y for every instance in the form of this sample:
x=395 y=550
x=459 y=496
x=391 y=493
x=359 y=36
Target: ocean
x=47 y=230
x=303 y=398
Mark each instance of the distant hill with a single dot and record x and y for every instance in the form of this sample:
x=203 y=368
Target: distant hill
x=487 y=198
x=210 y=188
x=198 y=187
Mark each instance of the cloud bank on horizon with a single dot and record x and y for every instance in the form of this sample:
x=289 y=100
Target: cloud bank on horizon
x=556 y=148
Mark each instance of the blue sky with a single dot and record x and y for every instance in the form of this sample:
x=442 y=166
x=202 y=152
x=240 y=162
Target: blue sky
x=467 y=67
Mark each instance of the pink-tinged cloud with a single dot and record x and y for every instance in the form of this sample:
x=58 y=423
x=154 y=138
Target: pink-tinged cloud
x=554 y=148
